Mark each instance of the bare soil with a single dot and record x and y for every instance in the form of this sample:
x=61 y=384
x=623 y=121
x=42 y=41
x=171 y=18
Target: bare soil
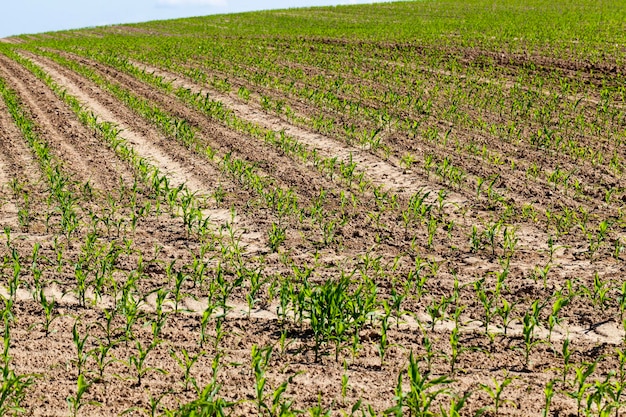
x=160 y=243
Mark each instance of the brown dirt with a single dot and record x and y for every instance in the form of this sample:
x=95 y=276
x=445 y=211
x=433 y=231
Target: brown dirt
x=291 y=174
x=379 y=171
x=197 y=176
x=517 y=189
x=594 y=329
x=11 y=40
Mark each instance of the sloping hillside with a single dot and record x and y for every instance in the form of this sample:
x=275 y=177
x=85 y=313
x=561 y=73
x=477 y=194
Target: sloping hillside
x=409 y=208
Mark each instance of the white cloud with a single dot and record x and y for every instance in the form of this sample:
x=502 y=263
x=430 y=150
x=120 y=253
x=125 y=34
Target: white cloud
x=182 y=3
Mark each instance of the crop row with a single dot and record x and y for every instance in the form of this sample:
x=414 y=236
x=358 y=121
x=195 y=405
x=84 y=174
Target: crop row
x=357 y=282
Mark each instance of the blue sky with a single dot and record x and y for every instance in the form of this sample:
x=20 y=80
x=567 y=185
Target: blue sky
x=35 y=16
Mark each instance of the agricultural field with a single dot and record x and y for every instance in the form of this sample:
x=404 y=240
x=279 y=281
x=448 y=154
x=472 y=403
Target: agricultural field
x=407 y=208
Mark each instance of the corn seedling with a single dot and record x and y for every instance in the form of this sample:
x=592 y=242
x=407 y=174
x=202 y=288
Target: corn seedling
x=423 y=390
x=76 y=402
x=186 y=361
x=49 y=310
x=137 y=361
x=81 y=354
x=495 y=393
x=549 y=393
x=581 y=386
x=100 y=355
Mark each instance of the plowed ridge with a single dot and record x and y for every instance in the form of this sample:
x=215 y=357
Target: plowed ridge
x=178 y=173
x=71 y=142
x=605 y=332
x=8 y=209
x=380 y=172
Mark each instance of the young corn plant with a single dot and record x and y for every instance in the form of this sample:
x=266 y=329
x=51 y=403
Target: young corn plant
x=456 y=405
x=277 y=235
x=383 y=345
x=495 y=393
x=14 y=387
x=549 y=392
x=504 y=311
x=160 y=318
x=437 y=310
x=208 y=403
x=272 y=404
x=185 y=361
x=49 y=310
x=101 y=354
x=599 y=292
x=335 y=313
x=423 y=390
x=81 y=353
x=256 y=280
x=554 y=319
x=76 y=402
x=529 y=322
x=581 y=386
x=137 y=361
x=456 y=350
x=154 y=404
x=129 y=305
x=207 y=315
x=566 y=354
x=490 y=233
x=489 y=302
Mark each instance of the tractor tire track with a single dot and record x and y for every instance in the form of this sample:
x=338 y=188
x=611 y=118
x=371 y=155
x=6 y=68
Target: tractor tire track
x=377 y=170
x=303 y=178
x=176 y=163
x=80 y=151
x=138 y=136
x=530 y=235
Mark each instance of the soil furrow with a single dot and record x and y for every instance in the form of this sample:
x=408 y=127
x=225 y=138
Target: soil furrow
x=8 y=209
x=11 y=40
x=19 y=161
x=531 y=237
x=608 y=331
x=181 y=168
x=79 y=151
x=305 y=180
x=173 y=168
x=16 y=165
x=379 y=171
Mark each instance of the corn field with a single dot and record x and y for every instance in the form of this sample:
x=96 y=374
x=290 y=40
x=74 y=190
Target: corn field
x=396 y=209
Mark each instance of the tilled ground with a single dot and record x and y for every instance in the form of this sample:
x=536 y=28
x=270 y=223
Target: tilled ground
x=133 y=342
